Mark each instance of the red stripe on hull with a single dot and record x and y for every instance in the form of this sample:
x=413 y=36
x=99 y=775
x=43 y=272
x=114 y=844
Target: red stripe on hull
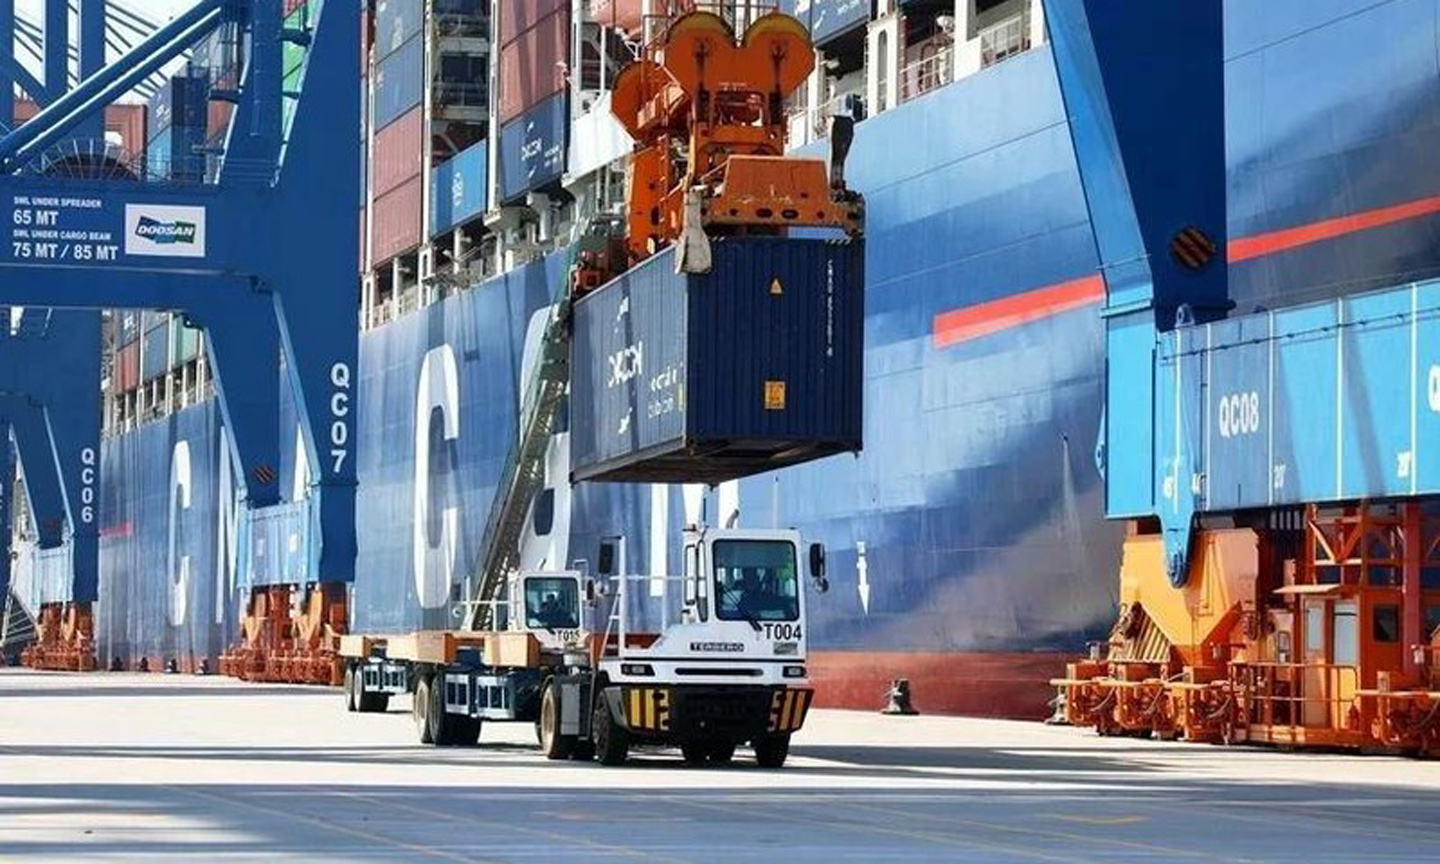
x=972 y=322
x=961 y=682
x=1259 y=245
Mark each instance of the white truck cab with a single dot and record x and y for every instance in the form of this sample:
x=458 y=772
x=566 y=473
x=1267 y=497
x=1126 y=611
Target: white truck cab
x=548 y=604
x=726 y=668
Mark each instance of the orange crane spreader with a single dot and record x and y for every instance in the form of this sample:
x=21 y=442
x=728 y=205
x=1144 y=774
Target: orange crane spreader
x=707 y=113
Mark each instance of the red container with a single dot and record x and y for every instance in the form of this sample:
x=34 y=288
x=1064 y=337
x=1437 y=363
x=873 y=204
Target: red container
x=217 y=118
x=517 y=16
x=127 y=121
x=397 y=222
x=399 y=152
x=127 y=367
x=292 y=5
x=532 y=67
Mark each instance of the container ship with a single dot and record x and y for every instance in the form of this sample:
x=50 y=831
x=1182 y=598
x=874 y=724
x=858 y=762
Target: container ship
x=969 y=552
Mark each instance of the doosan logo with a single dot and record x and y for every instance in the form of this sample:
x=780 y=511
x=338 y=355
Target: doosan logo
x=165 y=232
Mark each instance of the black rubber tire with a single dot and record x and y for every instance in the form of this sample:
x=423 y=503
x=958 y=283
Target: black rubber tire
x=352 y=703
x=442 y=725
x=721 y=752
x=420 y=709
x=374 y=703
x=584 y=751
x=770 y=752
x=695 y=753
x=612 y=741
x=552 y=743
x=466 y=731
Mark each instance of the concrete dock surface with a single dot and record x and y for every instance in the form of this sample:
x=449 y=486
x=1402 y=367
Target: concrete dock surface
x=119 y=767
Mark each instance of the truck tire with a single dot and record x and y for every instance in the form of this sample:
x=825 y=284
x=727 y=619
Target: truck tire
x=721 y=752
x=612 y=741
x=420 y=709
x=351 y=702
x=553 y=744
x=695 y=752
x=442 y=725
x=466 y=731
x=770 y=752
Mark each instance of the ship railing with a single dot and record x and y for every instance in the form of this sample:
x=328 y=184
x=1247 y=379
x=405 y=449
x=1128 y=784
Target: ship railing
x=1004 y=40
x=1298 y=694
x=808 y=123
x=461 y=26
x=464 y=94
x=928 y=73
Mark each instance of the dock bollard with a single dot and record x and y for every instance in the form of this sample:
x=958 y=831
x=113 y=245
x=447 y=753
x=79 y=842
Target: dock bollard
x=899 y=698
x=171 y=667
x=116 y=664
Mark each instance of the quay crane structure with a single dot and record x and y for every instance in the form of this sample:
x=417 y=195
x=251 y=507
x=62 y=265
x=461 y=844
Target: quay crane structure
x=1279 y=470
x=262 y=256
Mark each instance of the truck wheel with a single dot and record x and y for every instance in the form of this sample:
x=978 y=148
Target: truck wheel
x=552 y=743
x=612 y=742
x=721 y=752
x=373 y=703
x=466 y=731
x=420 y=709
x=351 y=703
x=442 y=725
x=771 y=752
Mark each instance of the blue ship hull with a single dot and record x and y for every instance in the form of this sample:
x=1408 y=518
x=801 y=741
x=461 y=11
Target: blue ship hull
x=968 y=547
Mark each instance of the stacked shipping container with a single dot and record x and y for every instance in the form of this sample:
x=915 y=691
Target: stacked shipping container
x=397 y=163
x=176 y=129
x=535 y=47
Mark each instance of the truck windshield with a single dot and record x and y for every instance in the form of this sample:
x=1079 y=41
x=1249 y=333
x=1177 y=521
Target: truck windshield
x=756 y=580
x=552 y=603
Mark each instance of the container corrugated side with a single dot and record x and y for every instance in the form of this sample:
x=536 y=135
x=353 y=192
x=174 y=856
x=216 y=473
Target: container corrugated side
x=398 y=155
x=155 y=352
x=399 y=81
x=184 y=344
x=532 y=148
x=457 y=188
x=702 y=378
x=532 y=67
x=127 y=366
x=126 y=121
x=396 y=22
x=517 y=16
x=617 y=14
x=396 y=221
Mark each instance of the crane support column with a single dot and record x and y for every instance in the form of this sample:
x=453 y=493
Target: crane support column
x=1147 y=119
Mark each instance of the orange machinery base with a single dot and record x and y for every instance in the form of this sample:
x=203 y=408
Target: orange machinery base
x=64 y=639
x=289 y=635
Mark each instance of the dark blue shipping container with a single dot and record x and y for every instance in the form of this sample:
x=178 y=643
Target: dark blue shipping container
x=399 y=82
x=702 y=378
x=827 y=19
x=396 y=22
x=180 y=101
x=532 y=148
x=155 y=352
x=457 y=188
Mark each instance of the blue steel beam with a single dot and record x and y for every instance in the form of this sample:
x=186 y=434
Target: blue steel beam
x=8 y=65
x=107 y=85
x=92 y=59
x=50 y=378
x=1144 y=87
x=7 y=485
x=277 y=232
x=57 y=46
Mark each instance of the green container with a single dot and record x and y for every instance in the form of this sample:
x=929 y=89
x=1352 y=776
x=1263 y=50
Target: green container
x=185 y=344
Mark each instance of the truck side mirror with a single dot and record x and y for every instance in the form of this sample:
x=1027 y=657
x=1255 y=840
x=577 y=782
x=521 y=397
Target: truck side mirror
x=606 y=563
x=817 y=567
x=592 y=594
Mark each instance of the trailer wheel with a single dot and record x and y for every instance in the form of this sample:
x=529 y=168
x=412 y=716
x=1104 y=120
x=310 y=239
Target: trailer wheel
x=442 y=726
x=420 y=709
x=372 y=703
x=770 y=752
x=465 y=731
x=553 y=744
x=721 y=752
x=612 y=742
x=351 y=704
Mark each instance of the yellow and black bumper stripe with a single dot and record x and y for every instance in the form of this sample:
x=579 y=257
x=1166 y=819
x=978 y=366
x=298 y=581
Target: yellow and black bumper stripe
x=647 y=709
x=787 y=709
